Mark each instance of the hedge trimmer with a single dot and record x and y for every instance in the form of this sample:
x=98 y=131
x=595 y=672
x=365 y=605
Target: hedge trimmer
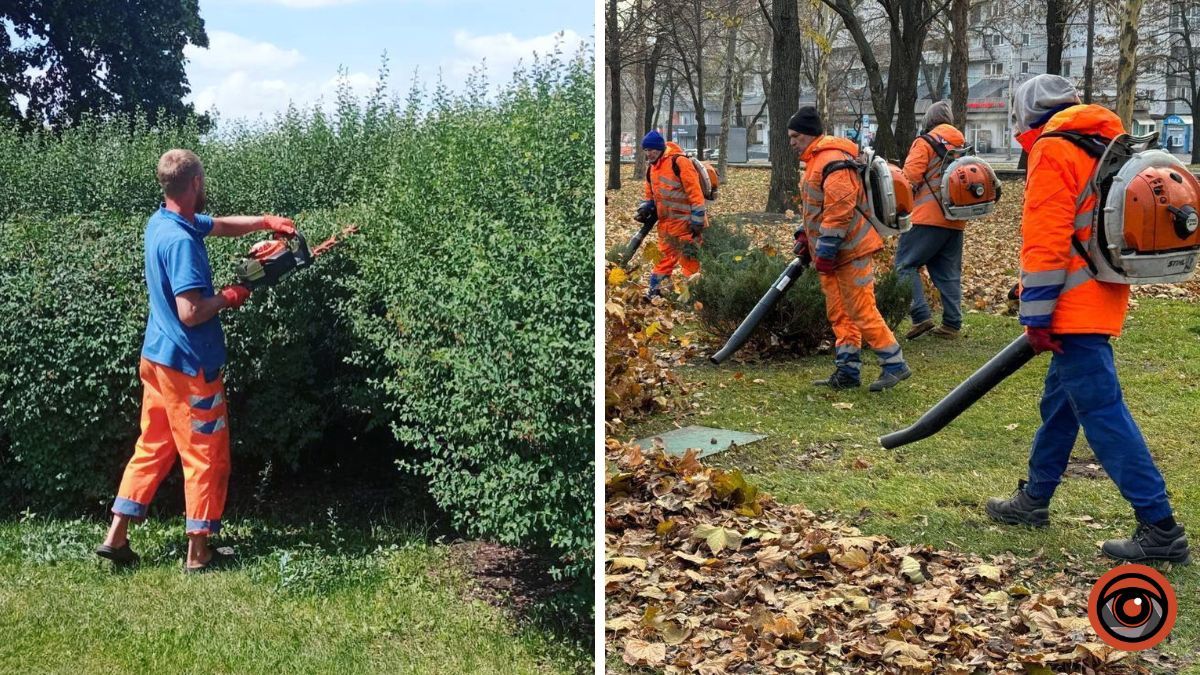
x=272 y=259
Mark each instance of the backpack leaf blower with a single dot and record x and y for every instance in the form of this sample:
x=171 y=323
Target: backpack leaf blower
x=1000 y=366
x=272 y=259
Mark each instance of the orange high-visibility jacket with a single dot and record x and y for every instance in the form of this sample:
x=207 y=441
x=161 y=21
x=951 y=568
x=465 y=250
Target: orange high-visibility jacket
x=675 y=197
x=1057 y=289
x=925 y=170
x=836 y=212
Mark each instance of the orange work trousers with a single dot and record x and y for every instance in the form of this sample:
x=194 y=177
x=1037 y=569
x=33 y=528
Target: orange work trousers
x=678 y=247
x=181 y=415
x=850 y=306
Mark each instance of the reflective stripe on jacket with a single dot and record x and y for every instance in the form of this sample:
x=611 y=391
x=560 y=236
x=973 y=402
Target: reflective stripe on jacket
x=674 y=196
x=1057 y=289
x=924 y=170
x=834 y=213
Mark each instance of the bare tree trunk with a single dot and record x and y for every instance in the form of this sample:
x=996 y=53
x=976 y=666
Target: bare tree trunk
x=671 y=113
x=1127 y=64
x=613 y=57
x=782 y=100
x=649 y=70
x=1056 y=26
x=727 y=99
x=960 y=55
x=1088 y=72
x=1195 y=106
x=698 y=91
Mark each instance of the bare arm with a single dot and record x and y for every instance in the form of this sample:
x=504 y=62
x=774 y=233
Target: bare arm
x=194 y=309
x=237 y=226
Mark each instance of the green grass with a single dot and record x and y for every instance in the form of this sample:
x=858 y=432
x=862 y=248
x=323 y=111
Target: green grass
x=933 y=491
x=308 y=599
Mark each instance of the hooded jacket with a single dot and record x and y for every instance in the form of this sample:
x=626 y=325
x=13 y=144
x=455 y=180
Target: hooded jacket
x=834 y=212
x=1057 y=289
x=925 y=170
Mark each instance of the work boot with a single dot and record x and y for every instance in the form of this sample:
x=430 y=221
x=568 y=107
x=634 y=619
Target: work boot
x=890 y=378
x=1151 y=543
x=1020 y=509
x=654 y=290
x=919 y=329
x=840 y=379
x=946 y=332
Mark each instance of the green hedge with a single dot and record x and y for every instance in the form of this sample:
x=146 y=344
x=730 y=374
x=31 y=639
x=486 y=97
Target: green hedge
x=736 y=275
x=461 y=316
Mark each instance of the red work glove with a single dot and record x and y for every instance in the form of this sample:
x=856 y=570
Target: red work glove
x=824 y=265
x=235 y=295
x=1041 y=340
x=279 y=224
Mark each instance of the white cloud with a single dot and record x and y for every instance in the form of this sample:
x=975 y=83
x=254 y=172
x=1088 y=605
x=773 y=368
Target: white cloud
x=230 y=52
x=502 y=51
x=243 y=95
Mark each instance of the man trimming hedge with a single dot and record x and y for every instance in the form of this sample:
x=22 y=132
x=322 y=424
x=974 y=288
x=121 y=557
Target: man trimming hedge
x=183 y=400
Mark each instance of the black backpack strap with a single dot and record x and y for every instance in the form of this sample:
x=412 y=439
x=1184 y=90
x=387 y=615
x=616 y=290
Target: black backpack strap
x=837 y=165
x=938 y=147
x=675 y=165
x=1093 y=144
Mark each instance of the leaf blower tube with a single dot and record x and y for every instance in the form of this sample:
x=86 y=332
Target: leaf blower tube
x=768 y=300
x=636 y=242
x=1007 y=362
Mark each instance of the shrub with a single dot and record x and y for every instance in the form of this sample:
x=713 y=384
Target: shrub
x=461 y=317
x=735 y=275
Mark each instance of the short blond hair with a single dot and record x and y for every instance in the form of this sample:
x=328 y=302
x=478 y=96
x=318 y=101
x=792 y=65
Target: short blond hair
x=176 y=169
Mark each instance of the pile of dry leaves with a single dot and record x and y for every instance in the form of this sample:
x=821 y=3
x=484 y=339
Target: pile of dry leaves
x=704 y=574
x=641 y=349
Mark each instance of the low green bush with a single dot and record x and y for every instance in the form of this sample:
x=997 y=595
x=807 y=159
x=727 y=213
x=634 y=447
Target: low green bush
x=736 y=274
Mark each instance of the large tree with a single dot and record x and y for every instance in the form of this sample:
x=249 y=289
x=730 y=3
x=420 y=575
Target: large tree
x=908 y=22
x=70 y=59
x=783 y=98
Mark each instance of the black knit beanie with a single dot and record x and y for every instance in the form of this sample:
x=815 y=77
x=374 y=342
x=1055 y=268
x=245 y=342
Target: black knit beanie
x=806 y=121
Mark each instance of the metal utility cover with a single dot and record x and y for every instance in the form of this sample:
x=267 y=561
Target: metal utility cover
x=707 y=440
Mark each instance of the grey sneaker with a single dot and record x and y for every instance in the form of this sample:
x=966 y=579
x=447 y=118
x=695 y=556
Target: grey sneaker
x=1150 y=543
x=1020 y=509
x=888 y=380
x=919 y=329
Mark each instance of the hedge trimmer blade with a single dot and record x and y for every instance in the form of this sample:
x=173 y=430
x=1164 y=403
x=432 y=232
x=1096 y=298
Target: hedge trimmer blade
x=334 y=240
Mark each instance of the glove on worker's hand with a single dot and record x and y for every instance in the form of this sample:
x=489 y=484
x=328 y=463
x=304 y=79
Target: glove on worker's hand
x=1041 y=340
x=235 y=295
x=645 y=211
x=801 y=248
x=824 y=265
x=281 y=225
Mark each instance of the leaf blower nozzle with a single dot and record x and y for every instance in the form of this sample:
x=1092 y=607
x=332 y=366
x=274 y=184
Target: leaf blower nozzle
x=768 y=300
x=999 y=367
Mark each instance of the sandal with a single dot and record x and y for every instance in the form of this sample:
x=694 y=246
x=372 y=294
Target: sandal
x=121 y=555
x=218 y=560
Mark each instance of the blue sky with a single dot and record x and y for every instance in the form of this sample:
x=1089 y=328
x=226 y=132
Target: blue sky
x=263 y=53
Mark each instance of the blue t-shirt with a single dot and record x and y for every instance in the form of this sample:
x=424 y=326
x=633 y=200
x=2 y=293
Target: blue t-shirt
x=176 y=262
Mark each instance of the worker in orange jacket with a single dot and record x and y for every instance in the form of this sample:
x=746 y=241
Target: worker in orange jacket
x=183 y=353
x=673 y=190
x=934 y=242
x=1067 y=311
x=834 y=217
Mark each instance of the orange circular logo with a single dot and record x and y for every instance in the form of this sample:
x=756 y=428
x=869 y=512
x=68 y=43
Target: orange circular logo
x=1132 y=607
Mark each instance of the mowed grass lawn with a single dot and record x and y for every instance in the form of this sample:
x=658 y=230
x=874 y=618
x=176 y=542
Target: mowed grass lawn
x=316 y=599
x=933 y=491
